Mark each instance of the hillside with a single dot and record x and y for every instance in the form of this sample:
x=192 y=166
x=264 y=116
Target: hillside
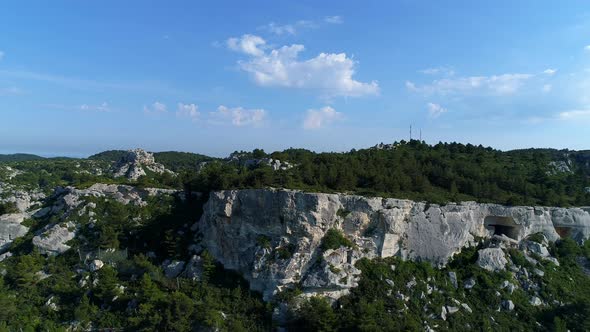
x=18 y=157
x=131 y=240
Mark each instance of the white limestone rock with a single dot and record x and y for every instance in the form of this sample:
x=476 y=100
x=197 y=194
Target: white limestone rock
x=133 y=164
x=52 y=240
x=11 y=228
x=234 y=220
x=95 y=265
x=491 y=259
x=508 y=305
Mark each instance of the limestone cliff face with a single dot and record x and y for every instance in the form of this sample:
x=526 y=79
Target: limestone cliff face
x=273 y=236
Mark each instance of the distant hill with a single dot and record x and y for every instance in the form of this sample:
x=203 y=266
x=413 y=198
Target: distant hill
x=110 y=155
x=175 y=161
x=172 y=160
x=18 y=157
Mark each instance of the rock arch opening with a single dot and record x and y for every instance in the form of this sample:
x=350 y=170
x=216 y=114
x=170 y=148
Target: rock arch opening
x=502 y=226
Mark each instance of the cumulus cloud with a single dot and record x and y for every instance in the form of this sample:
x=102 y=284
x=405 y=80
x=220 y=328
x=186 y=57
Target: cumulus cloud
x=155 y=108
x=435 y=110
x=505 y=84
x=550 y=71
x=104 y=107
x=316 y=119
x=330 y=73
x=188 y=110
x=247 y=44
x=238 y=116
x=334 y=19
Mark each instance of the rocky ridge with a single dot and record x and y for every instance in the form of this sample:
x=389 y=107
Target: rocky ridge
x=273 y=237
x=133 y=165
x=69 y=203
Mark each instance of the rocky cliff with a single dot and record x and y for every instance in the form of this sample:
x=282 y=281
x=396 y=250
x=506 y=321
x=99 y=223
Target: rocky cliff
x=273 y=237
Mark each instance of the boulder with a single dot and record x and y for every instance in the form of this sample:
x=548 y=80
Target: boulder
x=492 y=259
x=470 y=283
x=95 y=265
x=537 y=248
x=508 y=305
x=535 y=301
x=453 y=277
x=173 y=269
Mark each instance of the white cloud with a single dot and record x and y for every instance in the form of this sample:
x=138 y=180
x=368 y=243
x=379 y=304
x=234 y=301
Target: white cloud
x=247 y=44
x=333 y=19
x=104 y=107
x=1 y=55
x=238 y=116
x=505 y=84
x=550 y=71
x=547 y=88
x=575 y=114
x=155 y=108
x=330 y=73
x=188 y=110
x=287 y=29
x=435 y=110
x=446 y=71
x=316 y=119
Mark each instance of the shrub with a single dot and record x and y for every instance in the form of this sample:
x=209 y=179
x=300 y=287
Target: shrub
x=342 y=213
x=334 y=239
x=263 y=241
x=286 y=252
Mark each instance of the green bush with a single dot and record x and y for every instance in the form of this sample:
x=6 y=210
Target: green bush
x=335 y=239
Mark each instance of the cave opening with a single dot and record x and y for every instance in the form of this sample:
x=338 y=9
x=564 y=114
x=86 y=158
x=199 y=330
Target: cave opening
x=502 y=226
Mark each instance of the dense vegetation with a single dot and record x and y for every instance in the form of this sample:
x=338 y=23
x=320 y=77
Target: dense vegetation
x=130 y=292
x=440 y=173
x=376 y=304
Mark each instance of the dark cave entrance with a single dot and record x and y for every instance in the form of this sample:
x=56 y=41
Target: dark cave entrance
x=502 y=226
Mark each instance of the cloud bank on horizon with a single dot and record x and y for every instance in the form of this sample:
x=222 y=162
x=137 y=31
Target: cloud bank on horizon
x=306 y=77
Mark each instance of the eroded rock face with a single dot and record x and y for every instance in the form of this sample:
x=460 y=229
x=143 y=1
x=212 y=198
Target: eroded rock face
x=133 y=163
x=11 y=228
x=273 y=236
x=53 y=239
x=492 y=259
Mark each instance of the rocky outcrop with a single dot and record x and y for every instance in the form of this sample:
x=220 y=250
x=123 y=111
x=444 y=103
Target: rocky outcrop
x=273 y=237
x=52 y=240
x=135 y=162
x=11 y=228
x=69 y=203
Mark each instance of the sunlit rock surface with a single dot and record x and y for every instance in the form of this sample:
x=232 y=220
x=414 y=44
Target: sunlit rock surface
x=273 y=236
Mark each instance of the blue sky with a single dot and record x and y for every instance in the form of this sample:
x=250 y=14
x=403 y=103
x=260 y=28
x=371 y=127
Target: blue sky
x=78 y=77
